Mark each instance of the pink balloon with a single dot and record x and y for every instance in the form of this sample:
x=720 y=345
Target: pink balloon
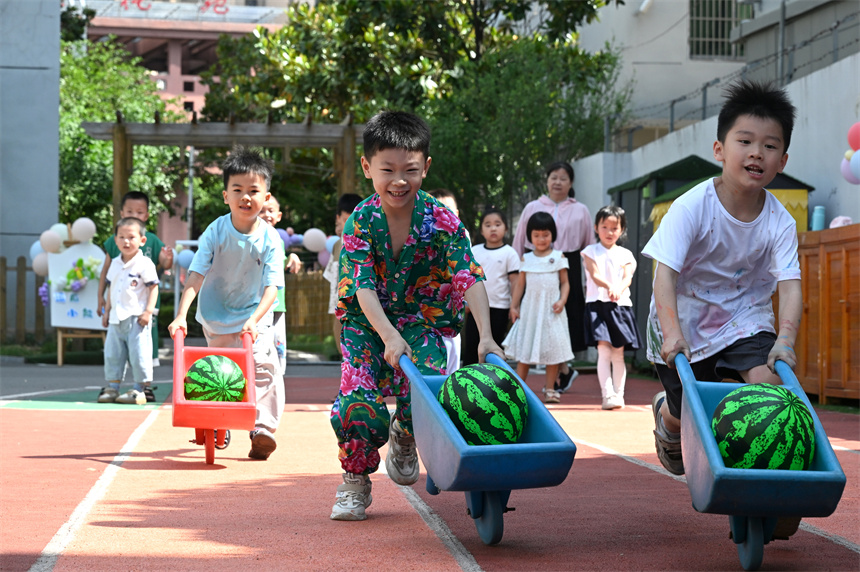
x=854 y=136
x=323 y=257
x=846 y=172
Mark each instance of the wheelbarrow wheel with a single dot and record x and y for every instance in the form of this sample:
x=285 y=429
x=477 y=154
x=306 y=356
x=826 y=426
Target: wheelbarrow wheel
x=751 y=549
x=219 y=438
x=491 y=524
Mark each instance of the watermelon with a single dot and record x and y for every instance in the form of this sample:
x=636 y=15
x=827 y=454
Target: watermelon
x=486 y=403
x=214 y=378
x=764 y=426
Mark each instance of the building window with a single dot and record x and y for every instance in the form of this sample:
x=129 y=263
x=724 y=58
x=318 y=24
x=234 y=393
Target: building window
x=189 y=105
x=711 y=23
x=188 y=86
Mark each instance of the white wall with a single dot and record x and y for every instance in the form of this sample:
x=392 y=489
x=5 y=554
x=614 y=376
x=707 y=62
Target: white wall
x=828 y=103
x=29 y=128
x=655 y=55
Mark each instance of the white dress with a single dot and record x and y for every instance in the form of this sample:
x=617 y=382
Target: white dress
x=540 y=336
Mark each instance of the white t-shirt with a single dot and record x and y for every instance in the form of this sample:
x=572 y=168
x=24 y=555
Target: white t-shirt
x=129 y=284
x=728 y=269
x=611 y=264
x=237 y=268
x=497 y=263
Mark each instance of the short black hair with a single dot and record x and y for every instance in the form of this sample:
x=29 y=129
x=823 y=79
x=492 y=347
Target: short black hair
x=241 y=161
x=134 y=196
x=612 y=211
x=541 y=221
x=396 y=130
x=442 y=193
x=761 y=100
x=494 y=210
x=568 y=168
x=347 y=202
x=131 y=221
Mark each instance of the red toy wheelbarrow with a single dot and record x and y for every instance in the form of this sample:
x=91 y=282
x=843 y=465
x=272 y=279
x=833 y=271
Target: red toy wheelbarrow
x=212 y=420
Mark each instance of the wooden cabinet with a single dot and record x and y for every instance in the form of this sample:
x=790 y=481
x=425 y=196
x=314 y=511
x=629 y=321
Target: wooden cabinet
x=828 y=344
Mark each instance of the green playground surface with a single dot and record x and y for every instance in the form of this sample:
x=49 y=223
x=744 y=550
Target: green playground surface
x=83 y=399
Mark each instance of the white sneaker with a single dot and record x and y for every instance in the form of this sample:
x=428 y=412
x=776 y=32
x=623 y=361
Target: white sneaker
x=614 y=402
x=353 y=497
x=401 y=462
x=551 y=395
x=132 y=396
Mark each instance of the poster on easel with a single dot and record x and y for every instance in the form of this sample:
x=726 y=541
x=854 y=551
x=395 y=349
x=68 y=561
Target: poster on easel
x=74 y=286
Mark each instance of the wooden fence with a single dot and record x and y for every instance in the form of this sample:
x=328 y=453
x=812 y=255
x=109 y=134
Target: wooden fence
x=307 y=304
x=14 y=328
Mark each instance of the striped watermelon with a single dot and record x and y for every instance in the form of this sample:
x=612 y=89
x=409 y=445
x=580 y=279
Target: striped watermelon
x=764 y=427
x=486 y=403
x=215 y=378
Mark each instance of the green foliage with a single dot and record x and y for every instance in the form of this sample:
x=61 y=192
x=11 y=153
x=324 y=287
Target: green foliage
x=496 y=132
x=96 y=81
x=469 y=66
x=73 y=25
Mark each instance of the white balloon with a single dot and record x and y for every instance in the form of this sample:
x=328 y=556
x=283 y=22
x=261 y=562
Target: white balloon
x=50 y=241
x=62 y=230
x=40 y=264
x=855 y=165
x=314 y=240
x=83 y=229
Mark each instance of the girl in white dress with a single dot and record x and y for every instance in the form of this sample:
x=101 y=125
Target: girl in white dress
x=540 y=331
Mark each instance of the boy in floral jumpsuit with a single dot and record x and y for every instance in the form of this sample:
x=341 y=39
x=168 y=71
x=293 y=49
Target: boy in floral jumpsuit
x=406 y=273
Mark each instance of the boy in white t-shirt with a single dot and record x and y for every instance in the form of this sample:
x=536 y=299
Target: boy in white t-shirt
x=722 y=250
x=238 y=269
x=132 y=291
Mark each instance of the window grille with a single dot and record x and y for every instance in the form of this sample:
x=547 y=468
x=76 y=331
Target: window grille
x=711 y=23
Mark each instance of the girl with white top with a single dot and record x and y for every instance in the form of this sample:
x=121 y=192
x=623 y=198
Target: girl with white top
x=540 y=331
x=609 y=321
x=501 y=265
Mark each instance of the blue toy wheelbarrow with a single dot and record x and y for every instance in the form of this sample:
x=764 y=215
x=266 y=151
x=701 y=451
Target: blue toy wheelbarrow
x=753 y=498
x=487 y=473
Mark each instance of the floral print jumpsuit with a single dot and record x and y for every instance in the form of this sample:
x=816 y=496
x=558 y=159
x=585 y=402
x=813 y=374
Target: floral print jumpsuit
x=422 y=294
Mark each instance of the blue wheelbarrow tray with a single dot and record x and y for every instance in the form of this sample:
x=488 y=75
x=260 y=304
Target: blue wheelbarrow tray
x=714 y=488
x=541 y=458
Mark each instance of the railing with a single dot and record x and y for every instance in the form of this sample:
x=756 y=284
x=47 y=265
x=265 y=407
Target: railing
x=15 y=327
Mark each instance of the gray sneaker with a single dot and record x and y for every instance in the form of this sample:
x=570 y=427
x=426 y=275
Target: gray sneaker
x=401 y=462
x=262 y=444
x=668 y=449
x=132 y=397
x=353 y=497
x=108 y=395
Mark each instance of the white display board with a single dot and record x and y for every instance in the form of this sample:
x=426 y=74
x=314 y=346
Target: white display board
x=69 y=309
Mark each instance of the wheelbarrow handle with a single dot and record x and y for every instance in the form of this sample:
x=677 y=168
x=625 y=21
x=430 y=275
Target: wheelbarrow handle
x=408 y=367
x=247 y=341
x=783 y=370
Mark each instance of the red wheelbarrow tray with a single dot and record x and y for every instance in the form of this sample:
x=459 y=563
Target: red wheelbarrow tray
x=213 y=414
x=541 y=458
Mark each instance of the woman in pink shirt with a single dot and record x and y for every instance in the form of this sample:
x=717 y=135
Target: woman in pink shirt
x=575 y=232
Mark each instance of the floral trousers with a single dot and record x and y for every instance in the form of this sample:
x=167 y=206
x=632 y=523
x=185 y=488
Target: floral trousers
x=359 y=416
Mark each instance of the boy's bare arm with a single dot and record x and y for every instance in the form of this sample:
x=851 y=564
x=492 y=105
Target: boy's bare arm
x=165 y=258
x=100 y=301
x=790 y=311
x=146 y=316
x=270 y=294
x=395 y=345
x=192 y=286
x=666 y=300
x=476 y=297
x=106 y=312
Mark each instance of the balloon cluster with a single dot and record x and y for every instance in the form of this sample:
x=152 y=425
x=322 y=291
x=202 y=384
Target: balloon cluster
x=56 y=239
x=313 y=239
x=851 y=162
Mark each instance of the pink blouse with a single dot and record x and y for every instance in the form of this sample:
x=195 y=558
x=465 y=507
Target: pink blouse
x=572 y=220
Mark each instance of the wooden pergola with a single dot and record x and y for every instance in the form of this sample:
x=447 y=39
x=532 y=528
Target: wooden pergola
x=340 y=137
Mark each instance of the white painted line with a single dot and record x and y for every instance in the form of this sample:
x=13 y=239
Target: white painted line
x=66 y=534
x=835 y=538
x=461 y=555
x=49 y=392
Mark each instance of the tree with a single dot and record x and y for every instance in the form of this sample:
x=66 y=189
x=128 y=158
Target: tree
x=355 y=57
x=96 y=80
x=73 y=24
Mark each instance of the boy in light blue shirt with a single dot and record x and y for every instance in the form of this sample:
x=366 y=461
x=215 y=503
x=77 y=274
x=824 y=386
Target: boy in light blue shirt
x=238 y=271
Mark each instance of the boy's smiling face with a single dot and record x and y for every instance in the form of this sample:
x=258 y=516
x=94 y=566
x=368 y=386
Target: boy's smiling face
x=397 y=176
x=271 y=212
x=752 y=154
x=245 y=195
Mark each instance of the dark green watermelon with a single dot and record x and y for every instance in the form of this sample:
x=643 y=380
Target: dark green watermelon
x=764 y=426
x=214 y=378
x=486 y=403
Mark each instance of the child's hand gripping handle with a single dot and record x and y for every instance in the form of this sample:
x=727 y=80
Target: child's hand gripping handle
x=247 y=341
x=178 y=336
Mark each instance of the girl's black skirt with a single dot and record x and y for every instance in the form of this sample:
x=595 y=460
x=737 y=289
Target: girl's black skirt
x=609 y=322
